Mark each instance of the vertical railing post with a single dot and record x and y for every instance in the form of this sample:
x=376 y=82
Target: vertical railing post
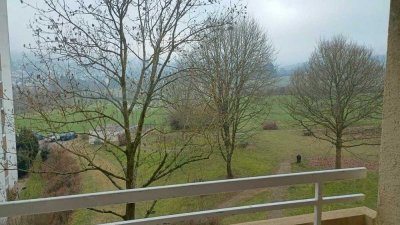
x=318 y=204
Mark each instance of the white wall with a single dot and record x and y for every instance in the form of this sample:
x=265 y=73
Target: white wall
x=7 y=127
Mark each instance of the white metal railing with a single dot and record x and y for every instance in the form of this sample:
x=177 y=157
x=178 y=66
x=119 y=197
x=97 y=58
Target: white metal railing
x=63 y=203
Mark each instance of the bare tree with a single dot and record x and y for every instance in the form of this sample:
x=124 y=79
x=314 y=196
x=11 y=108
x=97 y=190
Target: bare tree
x=186 y=108
x=340 y=85
x=231 y=73
x=105 y=62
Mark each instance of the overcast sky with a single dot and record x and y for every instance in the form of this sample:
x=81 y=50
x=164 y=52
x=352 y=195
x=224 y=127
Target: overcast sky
x=294 y=26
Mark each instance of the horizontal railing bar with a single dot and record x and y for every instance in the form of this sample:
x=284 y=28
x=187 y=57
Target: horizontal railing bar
x=71 y=202
x=237 y=210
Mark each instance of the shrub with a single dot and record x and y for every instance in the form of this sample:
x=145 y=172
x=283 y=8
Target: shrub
x=27 y=150
x=23 y=162
x=44 y=153
x=177 y=121
x=26 y=139
x=269 y=125
x=191 y=117
x=307 y=132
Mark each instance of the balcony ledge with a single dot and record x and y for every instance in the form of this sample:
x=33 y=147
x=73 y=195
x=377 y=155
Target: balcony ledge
x=352 y=216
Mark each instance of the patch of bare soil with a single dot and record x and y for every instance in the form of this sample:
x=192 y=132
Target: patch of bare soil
x=328 y=162
x=278 y=193
x=240 y=197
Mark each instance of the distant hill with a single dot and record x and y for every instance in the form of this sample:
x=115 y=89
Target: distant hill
x=285 y=72
x=289 y=69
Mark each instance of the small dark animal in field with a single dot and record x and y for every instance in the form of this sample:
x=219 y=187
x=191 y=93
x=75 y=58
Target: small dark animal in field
x=298 y=158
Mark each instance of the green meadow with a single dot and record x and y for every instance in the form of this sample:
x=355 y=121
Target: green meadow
x=265 y=153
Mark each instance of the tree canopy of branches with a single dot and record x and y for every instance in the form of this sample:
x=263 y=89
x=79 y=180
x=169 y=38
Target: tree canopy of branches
x=186 y=109
x=231 y=73
x=104 y=62
x=340 y=86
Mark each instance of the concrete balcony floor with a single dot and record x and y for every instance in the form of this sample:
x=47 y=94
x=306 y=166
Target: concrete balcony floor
x=352 y=216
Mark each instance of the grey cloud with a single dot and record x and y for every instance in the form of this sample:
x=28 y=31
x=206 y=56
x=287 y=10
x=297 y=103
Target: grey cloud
x=293 y=25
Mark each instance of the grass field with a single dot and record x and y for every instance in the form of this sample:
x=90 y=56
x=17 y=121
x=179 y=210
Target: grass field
x=263 y=156
x=78 y=122
x=34 y=184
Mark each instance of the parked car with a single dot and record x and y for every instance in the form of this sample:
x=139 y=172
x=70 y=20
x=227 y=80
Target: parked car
x=68 y=136
x=53 y=138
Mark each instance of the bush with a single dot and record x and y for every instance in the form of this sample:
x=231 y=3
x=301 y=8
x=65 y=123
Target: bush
x=44 y=153
x=191 y=118
x=27 y=150
x=270 y=126
x=26 y=139
x=23 y=162
x=307 y=132
x=177 y=121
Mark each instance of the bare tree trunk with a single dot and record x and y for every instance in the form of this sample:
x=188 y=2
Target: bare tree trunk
x=389 y=164
x=130 y=184
x=338 y=162
x=130 y=211
x=229 y=148
x=229 y=173
x=338 y=145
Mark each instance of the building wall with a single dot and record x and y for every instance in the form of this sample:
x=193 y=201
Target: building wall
x=389 y=164
x=8 y=157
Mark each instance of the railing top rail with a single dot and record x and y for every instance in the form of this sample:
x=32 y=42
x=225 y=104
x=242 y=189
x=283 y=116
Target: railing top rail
x=71 y=202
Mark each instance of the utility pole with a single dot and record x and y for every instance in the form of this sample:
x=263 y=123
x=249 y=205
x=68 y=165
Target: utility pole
x=8 y=156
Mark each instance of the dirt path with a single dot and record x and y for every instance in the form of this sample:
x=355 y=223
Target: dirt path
x=241 y=196
x=278 y=193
